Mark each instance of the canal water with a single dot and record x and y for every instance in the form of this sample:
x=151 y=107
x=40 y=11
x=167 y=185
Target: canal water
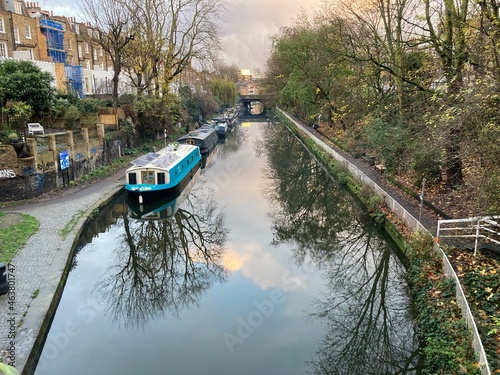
x=262 y=265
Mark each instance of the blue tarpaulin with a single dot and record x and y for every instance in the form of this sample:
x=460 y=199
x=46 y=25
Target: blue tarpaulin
x=54 y=33
x=74 y=78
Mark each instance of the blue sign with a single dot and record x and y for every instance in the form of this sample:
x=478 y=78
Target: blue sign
x=64 y=159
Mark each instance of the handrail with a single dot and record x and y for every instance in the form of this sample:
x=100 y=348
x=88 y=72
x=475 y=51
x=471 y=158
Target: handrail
x=478 y=228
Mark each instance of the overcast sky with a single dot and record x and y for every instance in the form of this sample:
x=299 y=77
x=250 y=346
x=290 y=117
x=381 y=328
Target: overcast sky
x=246 y=29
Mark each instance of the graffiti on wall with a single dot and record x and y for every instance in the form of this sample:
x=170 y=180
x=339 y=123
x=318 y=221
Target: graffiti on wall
x=7 y=173
x=47 y=167
x=38 y=178
x=39 y=181
x=28 y=171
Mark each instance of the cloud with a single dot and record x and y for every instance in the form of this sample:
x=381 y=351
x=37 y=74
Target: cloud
x=249 y=26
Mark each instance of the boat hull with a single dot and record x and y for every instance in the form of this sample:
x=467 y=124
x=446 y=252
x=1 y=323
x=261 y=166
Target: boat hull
x=161 y=205
x=164 y=192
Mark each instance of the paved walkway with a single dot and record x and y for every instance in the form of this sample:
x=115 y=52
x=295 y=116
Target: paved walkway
x=41 y=263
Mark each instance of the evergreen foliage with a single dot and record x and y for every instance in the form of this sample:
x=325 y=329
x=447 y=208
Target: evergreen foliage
x=23 y=81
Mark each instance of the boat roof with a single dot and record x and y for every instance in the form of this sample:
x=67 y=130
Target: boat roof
x=164 y=158
x=200 y=133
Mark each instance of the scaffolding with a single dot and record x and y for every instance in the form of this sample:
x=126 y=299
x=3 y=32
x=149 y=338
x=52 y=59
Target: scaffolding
x=54 y=33
x=74 y=79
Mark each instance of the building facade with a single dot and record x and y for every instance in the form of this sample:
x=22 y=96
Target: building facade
x=68 y=50
x=28 y=32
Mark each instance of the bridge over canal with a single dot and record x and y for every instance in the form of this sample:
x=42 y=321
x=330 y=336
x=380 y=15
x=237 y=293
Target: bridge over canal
x=253 y=105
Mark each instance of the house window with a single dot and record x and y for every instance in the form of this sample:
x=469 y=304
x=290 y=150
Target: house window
x=100 y=51
x=95 y=54
x=70 y=47
x=89 y=31
x=87 y=64
x=80 y=54
x=27 y=30
x=86 y=47
x=18 y=8
x=2 y=26
x=3 y=49
x=17 y=38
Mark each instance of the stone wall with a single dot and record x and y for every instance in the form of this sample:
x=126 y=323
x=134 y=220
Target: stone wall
x=41 y=169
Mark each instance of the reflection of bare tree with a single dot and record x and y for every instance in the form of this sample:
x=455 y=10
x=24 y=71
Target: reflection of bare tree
x=366 y=311
x=367 y=314
x=311 y=210
x=166 y=264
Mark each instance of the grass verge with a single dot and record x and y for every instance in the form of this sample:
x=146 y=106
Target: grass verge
x=12 y=237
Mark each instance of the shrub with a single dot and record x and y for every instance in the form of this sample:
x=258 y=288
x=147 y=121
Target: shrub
x=389 y=141
x=72 y=118
x=490 y=193
x=447 y=346
x=427 y=164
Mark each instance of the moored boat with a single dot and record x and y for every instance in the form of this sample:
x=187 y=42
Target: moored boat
x=163 y=207
x=222 y=129
x=162 y=171
x=205 y=138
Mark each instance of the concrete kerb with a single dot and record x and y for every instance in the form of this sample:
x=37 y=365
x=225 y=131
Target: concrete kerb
x=31 y=335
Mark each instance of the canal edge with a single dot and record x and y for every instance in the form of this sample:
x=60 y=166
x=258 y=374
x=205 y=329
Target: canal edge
x=56 y=278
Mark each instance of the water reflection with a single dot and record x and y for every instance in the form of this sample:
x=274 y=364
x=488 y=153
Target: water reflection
x=365 y=309
x=233 y=142
x=163 y=207
x=168 y=254
x=281 y=309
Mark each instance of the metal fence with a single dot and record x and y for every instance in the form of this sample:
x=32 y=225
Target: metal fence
x=484 y=229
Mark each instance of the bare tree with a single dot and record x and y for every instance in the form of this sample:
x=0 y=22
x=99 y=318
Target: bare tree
x=143 y=56
x=382 y=33
x=194 y=35
x=230 y=72
x=171 y=34
x=447 y=23
x=113 y=22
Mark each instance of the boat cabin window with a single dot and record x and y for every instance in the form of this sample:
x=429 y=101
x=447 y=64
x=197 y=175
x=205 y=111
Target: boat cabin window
x=132 y=178
x=148 y=177
x=190 y=142
x=161 y=178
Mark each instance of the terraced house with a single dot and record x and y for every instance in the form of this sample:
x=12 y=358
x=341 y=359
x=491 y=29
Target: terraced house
x=58 y=45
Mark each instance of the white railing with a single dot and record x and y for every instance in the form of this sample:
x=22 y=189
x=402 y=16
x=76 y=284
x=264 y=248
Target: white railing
x=485 y=229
